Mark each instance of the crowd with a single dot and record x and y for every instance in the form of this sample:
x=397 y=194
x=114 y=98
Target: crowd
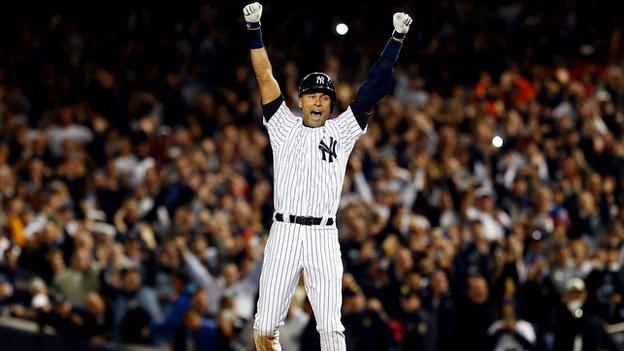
x=483 y=209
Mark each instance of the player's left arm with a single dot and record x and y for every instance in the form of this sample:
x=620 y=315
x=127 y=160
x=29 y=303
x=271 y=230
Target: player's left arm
x=379 y=81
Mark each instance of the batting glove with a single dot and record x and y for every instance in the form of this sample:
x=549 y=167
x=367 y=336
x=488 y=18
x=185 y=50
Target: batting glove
x=401 y=21
x=252 y=14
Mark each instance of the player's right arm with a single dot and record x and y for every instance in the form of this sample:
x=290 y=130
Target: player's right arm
x=278 y=119
x=269 y=89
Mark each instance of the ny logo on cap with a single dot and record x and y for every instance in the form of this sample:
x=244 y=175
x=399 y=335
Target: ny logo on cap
x=320 y=80
x=328 y=150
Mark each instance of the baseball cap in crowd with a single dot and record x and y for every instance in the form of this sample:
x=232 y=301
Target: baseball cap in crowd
x=129 y=267
x=37 y=285
x=389 y=188
x=611 y=245
x=484 y=192
x=575 y=284
x=603 y=96
x=40 y=300
x=163 y=130
x=57 y=298
x=406 y=292
x=351 y=290
x=103 y=228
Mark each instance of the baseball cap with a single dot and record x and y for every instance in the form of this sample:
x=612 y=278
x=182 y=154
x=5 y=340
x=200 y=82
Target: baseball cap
x=37 y=285
x=484 y=192
x=575 y=284
x=40 y=300
x=603 y=96
x=407 y=292
x=611 y=245
x=351 y=290
x=318 y=82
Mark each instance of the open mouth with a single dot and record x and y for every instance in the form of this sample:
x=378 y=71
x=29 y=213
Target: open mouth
x=316 y=114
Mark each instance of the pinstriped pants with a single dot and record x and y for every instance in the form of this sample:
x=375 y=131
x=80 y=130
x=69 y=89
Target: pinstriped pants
x=290 y=249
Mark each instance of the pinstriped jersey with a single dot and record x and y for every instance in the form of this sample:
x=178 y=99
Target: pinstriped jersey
x=309 y=164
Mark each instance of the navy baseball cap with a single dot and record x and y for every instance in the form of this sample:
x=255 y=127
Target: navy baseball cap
x=318 y=82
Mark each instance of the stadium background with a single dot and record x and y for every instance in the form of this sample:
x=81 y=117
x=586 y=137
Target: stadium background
x=132 y=143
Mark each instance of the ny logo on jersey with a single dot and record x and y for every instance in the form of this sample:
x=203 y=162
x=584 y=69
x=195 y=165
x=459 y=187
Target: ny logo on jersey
x=328 y=151
x=320 y=80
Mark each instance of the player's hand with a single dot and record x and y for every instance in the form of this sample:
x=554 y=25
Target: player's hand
x=252 y=12
x=401 y=21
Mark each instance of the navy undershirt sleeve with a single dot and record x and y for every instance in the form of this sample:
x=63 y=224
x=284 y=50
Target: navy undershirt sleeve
x=269 y=109
x=378 y=83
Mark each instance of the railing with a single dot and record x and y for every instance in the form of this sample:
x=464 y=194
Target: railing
x=25 y=335
x=617 y=332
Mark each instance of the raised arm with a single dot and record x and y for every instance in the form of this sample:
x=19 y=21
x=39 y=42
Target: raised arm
x=379 y=81
x=199 y=274
x=269 y=89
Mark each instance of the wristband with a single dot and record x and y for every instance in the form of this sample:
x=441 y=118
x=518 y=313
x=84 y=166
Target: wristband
x=398 y=36
x=253 y=25
x=255 y=35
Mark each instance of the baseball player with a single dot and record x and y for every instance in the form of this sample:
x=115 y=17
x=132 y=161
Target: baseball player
x=310 y=158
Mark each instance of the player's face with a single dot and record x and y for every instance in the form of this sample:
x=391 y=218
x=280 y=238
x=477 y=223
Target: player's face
x=316 y=108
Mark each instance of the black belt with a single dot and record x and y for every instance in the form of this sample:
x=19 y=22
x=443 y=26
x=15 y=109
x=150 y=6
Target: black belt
x=303 y=220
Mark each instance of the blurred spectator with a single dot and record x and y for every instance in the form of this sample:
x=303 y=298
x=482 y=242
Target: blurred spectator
x=310 y=339
x=80 y=279
x=97 y=318
x=476 y=314
x=443 y=308
x=606 y=285
x=419 y=330
x=93 y=323
x=242 y=290
x=576 y=328
x=294 y=323
x=494 y=221
x=366 y=324
x=183 y=292
x=538 y=297
x=135 y=308
x=511 y=333
x=61 y=315
x=203 y=332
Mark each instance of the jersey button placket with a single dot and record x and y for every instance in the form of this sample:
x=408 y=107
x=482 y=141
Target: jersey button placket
x=303 y=163
x=311 y=154
x=310 y=136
